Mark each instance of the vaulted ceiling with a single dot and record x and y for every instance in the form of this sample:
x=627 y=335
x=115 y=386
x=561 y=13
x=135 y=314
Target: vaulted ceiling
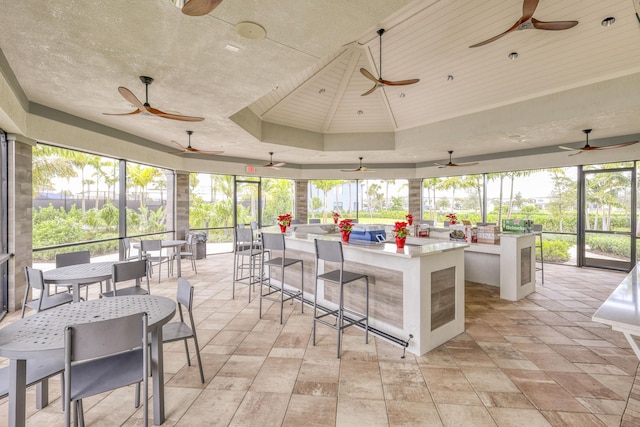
x=297 y=92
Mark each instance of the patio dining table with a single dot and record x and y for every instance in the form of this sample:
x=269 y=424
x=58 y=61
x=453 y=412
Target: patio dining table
x=80 y=274
x=41 y=336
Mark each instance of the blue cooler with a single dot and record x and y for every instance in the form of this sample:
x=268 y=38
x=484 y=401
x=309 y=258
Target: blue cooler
x=370 y=233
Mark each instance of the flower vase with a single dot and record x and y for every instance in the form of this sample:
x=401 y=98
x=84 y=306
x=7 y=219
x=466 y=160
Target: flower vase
x=345 y=236
x=283 y=228
x=410 y=221
x=335 y=220
x=400 y=242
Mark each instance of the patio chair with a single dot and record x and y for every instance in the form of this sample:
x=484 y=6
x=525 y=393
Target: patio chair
x=273 y=242
x=125 y=271
x=35 y=280
x=126 y=244
x=102 y=356
x=189 y=253
x=152 y=252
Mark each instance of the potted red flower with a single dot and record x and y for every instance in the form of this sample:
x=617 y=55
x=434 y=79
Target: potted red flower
x=336 y=216
x=401 y=232
x=409 y=219
x=452 y=218
x=284 y=221
x=345 y=227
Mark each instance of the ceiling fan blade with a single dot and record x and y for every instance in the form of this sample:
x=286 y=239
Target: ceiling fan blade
x=399 y=82
x=176 y=143
x=122 y=114
x=199 y=7
x=528 y=8
x=368 y=75
x=208 y=152
x=492 y=39
x=564 y=147
x=607 y=147
x=179 y=117
x=553 y=26
x=466 y=164
x=370 y=91
x=576 y=153
x=129 y=96
x=277 y=165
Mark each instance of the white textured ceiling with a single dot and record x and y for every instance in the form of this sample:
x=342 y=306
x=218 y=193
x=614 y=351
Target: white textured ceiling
x=298 y=91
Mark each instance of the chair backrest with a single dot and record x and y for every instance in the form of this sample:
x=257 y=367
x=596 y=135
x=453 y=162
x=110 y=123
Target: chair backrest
x=296 y=221
x=329 y=250
x=185 y=293
x=73 y=258
x=273 y=241
x=34 y=278
x=126 y=243
x=129 y=270
x=244 y=236
x=537 y=228
x=253 y=225
x=105 y=337
x=150 y=245
x=93 y=351
x=314 y=220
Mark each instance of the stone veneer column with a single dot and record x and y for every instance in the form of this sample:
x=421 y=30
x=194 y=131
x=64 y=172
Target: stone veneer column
x=302 y=203
x=415 y=196
x=20 y=229
x=181 y=204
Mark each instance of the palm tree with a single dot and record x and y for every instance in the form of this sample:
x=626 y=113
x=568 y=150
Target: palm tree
x=46 y=164
x=326 y=185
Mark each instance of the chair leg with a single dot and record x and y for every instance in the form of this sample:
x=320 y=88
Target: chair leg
x=366 y=327
x=281 y=295
x=195 y=342
x=24 y=303
x=137 y=397
x=340 y=318
x=186 y=350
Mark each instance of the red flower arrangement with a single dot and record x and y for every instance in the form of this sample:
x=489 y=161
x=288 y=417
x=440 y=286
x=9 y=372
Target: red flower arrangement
x=346 y=225
x=336 y=216
x=400 y=229
x=452 y=218
x=284 y=220
x=409 y=219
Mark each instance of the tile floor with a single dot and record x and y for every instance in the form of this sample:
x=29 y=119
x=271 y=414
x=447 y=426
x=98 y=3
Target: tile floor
x=536 y=362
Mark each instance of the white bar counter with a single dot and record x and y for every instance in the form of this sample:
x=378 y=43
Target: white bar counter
x=511 y=264
x=416 y=293
x=621 y=310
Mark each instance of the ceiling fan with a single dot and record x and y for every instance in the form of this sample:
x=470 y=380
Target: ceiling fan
x=380 y=82
x=190 y=149
x=588 y=147
x=271 y=164
x=451 y=164
x=196 y=7
x=359 y=168
x=146 y=108
x=528 y=21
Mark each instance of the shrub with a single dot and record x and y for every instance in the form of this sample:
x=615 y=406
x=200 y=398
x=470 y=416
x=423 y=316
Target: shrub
x=555 y=251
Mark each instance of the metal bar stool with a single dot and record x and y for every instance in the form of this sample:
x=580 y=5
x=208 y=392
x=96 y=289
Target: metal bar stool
x=537 y=230
x=247 y=256
x=275 y=242
x=331 y=251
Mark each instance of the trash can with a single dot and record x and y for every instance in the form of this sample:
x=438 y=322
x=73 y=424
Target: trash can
x=200 y=241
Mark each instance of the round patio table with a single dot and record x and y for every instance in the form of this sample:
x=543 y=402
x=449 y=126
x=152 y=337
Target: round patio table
x=41 y=335
x=80 y=274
